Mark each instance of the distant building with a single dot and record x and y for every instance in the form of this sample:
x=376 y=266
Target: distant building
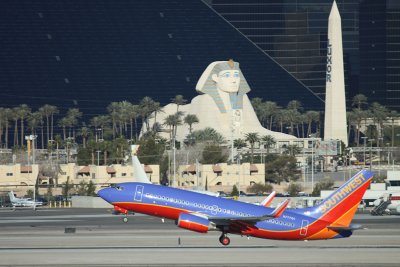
x=22 y=178
x=221 y=176
x=125 y=50
x=294 y=33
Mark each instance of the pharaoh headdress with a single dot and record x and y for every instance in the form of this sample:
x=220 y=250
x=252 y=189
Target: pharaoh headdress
x=207 y=85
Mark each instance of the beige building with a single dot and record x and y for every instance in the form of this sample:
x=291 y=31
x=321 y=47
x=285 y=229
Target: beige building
x=21 y=178
x=221 y=177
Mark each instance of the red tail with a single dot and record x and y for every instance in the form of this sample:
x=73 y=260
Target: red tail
x=338 y=209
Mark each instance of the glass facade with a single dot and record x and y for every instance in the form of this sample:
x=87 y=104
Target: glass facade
x=380 y=51
x=294 y=33
x=86 y=54
x=393 y=54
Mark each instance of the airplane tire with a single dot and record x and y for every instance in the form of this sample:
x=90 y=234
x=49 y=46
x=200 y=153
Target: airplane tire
x=225 y=240
x=125 y=219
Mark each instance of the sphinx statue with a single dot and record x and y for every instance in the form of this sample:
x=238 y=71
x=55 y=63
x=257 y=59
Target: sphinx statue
x=223 y=105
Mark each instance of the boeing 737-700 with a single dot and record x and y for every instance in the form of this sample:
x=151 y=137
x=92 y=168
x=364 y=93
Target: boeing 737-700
x=202 y=213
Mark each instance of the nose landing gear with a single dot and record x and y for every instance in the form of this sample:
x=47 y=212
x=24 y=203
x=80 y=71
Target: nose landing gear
x=224 y=239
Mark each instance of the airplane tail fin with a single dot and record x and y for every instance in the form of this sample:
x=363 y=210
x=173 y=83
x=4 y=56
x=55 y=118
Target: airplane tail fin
x=339 y=207
x=11 y=195
x=138 y=173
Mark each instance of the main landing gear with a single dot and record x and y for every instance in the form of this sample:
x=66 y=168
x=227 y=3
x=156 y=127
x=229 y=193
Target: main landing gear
x=224 y=239
x=125 y=219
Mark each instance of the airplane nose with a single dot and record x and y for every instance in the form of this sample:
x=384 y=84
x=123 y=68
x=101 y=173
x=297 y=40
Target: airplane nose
x=104 y=194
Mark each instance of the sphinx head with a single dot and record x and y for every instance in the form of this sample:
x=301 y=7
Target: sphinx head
x=223 y=77
x=228 y=80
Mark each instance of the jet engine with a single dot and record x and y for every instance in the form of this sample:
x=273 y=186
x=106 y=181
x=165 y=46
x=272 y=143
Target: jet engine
x=195 y=223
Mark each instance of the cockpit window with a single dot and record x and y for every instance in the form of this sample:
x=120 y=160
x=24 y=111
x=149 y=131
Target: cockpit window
x=118 y=187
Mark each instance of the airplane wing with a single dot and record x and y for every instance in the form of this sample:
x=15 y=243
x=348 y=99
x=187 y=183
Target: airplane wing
x=251 y=219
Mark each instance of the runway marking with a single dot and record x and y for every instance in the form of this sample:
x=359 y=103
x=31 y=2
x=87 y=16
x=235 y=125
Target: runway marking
x=33 y=221
x=250 y=247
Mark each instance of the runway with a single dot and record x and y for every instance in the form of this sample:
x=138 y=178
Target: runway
x=39 y=238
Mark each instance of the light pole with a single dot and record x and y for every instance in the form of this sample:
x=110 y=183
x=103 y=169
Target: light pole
x=379 y=157
x=365 y=141
x=312 y=164
x=31 y=145
x=98 y=157
x=312 y=161
x=238 y=164
x=370 y=153
x=174 y=151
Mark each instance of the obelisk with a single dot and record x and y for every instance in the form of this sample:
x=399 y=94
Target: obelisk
x=335 y=99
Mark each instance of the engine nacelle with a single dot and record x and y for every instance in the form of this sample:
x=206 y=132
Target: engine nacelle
x=195 y=223
x=120 y=210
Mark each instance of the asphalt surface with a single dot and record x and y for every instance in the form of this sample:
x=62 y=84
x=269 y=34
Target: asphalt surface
x=95 y=237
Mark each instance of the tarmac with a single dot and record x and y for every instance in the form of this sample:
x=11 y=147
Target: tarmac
x=95 y=237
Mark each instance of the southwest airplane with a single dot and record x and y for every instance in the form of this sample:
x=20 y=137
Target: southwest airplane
x=202 y=213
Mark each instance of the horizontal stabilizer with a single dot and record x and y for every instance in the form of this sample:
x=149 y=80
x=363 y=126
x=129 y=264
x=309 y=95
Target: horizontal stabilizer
x=268 y=200
x=280 y=209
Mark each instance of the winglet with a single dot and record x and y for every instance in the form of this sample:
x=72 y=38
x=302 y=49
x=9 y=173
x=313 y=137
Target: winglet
x=266 y=202
x=280 y=209
x=138 y=173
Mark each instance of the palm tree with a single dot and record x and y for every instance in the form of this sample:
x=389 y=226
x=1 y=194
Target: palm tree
x=359 y=100
x=99 y=123
x=292 y=150
x=358 y=116
x=252 y=138
x=156 y=108
x=282 y=118
x=190 y=119
x=84 y=132
x=379 y=114
x=270 y=110
x=131 y=117
x=34 y=120
x=295 y=105
x=73 y=115
x=63 y=123
x=22 y=112
x=239 y=143
x=135 y=114
x=146 y=108
x=59 y=142
x=124 y=119
x=268 y=141
x=208 y=135
x=15 y=117
x=54 y=111
x=293 y=115
x=7 y=116
x=173 y=121
x=179 y=101
x=394 y=115
x=113 y=110
x=48 y=111
x=350 y=117
x=95 y=123
x=2 y=123
x=311 y=116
